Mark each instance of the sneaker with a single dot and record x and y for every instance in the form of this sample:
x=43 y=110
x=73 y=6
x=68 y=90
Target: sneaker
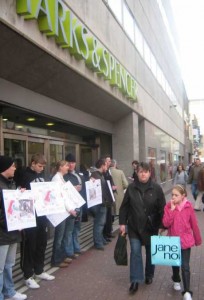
x=187 y=296
x=68 y=260
x=18 y=296
x=45 y=276
x=177 y=286
x=31 y=283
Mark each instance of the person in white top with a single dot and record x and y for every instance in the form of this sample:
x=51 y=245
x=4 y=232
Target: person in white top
x=59 y=258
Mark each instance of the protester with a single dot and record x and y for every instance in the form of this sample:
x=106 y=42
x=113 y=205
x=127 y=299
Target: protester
x=73 y=224
x=99 y=211
x=121 y=182
x=8 y=239
x=34 y=241
x=107 y=231
x=141 y=211
x=59 y=258
x=180 y=220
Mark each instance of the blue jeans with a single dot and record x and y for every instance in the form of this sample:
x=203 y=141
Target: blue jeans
x=185 y=270
x=71 y=236
x=58 y=251
x=194 y=190
x=7 y=261
x=99 y=214
x=136 y=262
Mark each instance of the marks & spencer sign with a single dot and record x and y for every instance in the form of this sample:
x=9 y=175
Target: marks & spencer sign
x=56 y=20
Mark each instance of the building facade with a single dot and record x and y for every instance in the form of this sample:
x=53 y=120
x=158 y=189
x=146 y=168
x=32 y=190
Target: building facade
x=91 y=78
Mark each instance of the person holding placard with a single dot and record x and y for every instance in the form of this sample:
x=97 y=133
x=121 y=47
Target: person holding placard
x=180 y=220
x=8 y=240
x=34 y=241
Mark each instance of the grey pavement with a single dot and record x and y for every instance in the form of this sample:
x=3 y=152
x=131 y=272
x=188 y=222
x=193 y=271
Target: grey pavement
x=94 y=275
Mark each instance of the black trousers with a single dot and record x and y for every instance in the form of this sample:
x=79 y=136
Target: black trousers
x=185 y=270
x=108 y=225
x=33 y=248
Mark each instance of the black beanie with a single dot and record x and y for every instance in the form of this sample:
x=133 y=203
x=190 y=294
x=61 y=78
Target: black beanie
x=5 y=163
x=70 y=157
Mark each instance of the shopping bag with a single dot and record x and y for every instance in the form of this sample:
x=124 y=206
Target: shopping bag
x=120 y=251
x=166 y=250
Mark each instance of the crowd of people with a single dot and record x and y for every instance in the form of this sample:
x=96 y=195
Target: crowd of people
x=140 y=205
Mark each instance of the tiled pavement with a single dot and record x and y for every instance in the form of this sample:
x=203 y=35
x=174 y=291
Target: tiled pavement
x=95 y=276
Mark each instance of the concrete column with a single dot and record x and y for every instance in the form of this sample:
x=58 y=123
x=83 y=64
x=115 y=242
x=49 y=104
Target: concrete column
x=126 y=142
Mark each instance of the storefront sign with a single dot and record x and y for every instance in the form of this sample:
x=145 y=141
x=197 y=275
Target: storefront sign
x=57 y=21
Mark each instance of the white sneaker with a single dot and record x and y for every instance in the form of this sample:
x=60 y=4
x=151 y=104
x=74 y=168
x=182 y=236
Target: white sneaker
x=177 y=286
x=31 y=283
x=45 y=276
x=18 y=296
x=187 y=296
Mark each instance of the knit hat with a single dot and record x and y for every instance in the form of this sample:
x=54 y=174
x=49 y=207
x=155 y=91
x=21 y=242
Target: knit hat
x=5 y=163
x=70 y=157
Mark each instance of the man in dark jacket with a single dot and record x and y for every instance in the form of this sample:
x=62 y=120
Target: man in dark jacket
x=142 y=211
x=73 y=225
x=34 y=241
x=99 y=211
x=8 y=240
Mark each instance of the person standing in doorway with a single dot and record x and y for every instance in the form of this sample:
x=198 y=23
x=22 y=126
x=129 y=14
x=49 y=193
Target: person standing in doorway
x=121 y=182
x=8 y=239
x=141 y=211
x=73 y=224
x=34 y=241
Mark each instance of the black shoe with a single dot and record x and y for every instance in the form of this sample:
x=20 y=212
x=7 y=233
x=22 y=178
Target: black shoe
x=148 y=280
x=99 y=248
x=133 y=288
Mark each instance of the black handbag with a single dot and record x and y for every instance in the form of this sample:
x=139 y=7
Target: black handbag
x=120 y=252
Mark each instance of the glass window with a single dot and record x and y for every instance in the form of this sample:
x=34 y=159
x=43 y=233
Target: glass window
x=138 y=40
x=152 y=162
x=147 y=53
x=153 y=65
x=162 y=166
x=128 y=22
x=116 y=7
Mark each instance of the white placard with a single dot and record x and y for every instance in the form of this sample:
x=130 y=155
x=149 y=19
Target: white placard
x=48 y=198
x=56 y=219
x=93 y=192
x=19 y=209
x=70 y=194
x=110 y=189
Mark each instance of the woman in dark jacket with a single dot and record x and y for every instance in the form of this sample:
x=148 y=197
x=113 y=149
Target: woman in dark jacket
x=8 y=239
x=141 y=211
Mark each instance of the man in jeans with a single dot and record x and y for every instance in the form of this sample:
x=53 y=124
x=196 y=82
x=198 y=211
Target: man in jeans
x=141 y=210
x=99 y=211
x=193 y=177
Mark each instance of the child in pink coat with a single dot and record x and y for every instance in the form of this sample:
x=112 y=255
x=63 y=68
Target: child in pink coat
x=180 y=220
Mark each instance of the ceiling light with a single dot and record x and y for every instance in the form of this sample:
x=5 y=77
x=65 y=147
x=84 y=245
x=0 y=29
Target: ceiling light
x=50 y=124
x=30 y=119
x=5 y=119
x=19 y=126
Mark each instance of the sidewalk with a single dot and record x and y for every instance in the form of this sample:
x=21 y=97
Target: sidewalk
x=94 y=275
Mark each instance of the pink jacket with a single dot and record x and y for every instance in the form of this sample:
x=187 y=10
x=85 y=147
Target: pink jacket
x=182 y=223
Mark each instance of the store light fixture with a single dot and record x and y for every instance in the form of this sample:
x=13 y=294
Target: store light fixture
x=5 y=119
x=50 y=124
x=19 y=126
x=30 y=119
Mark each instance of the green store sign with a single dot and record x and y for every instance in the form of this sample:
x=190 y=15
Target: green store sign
x=57 y=21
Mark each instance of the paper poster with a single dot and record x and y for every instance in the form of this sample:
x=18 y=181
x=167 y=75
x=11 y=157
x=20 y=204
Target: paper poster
x=48 y=198
x=111 y=191
x=93 y=192
x=19 y=209
x=56 y=219
x=75 y=200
